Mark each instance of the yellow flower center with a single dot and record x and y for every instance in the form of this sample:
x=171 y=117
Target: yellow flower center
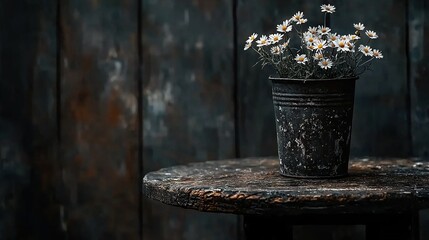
x=341 y=44
x=301 y=59
x=325 y=63
x=284 y=27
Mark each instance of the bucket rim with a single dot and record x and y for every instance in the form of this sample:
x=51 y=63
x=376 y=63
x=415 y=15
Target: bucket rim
x=312 y=79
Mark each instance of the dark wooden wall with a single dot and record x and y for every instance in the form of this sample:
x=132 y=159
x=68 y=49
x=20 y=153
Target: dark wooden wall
x=94 y=94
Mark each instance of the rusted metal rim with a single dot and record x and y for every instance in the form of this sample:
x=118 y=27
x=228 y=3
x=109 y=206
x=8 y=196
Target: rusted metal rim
x=312 y=80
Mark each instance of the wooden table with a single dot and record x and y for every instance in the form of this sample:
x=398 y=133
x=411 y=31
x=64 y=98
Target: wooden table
x=383 y=194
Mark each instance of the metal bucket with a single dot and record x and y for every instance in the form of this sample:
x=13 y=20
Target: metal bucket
x=314 y=125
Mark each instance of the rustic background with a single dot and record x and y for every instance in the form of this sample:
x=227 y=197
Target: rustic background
x=96 y=93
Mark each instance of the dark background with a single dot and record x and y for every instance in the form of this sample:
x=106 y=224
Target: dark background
x=96 y=93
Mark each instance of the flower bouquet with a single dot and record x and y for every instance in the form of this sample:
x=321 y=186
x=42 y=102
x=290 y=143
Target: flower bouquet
x=313 y=94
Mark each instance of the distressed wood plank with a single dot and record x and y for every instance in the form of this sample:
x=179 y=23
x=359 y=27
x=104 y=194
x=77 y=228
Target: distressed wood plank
x=46 y=178
x=187 y=102
x=255 y=186
x=28 y=120
x=418 y=13
x=99 y=119
x=256 y=114
x=380 y=124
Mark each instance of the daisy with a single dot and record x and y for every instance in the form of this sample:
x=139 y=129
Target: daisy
x=332 y=36
x=353 y=37
x=284 y=27
x=341 y=45
x=366 y=50
x=298 y=16
x=310 y=39
x=301 y=59
x=320 y=45
x=252 y=38
x=318 y=56
x=325 y=63
x=276 y=50
x=285 y=44
x=327 y=8
x=359 y=26
x=323 y=30
x=275 y=38
x=351 y=46
x=371 y=34
x=311 y=47
x=247 y=46
x=312 y=30
x=377 y=53
x=263 y=41
x=302 y=21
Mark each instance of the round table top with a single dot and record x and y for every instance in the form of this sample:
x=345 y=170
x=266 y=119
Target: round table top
x=255 y=186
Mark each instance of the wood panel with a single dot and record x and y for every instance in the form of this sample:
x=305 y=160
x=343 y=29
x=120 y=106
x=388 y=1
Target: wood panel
x=187 y=103
x=256 y=116
x=28 y=119
x=99 y=119
x=46 y=180
x=380 y=123
x=418 y=13
x=15 y=115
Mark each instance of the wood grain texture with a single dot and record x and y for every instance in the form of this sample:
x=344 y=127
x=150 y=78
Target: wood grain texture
x=27 y=119
x=46 y=215
x=418 y=21
x=380 y=124
x=256 y=115
x=99 y=121
x=187 y=103
x=255 y=186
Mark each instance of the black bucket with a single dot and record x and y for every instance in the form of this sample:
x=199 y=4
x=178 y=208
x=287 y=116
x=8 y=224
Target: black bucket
x=314 y=125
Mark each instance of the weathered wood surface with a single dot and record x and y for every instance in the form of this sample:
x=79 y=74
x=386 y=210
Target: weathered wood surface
x=256 y=124
x=99 y=119
x=381 y=108
x=418 y=22
x=254 y=186
x=187 y=104
x=28 y=204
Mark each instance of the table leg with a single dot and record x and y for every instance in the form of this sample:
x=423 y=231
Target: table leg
x=394 y=227
x=269 y=228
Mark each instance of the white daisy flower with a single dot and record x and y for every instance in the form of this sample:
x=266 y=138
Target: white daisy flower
x=366 y=50
x=284 y=27
x=311 y=47
x=310 y=39
x=263 y=41
x=371 y=34
x=323 y=30
x=353 y=37
x=252 y=38
x=318 y=56
x=325 y=63
x=247 y=46
x=351 y=46
x=341 y=45
x=275 y=38
x=312 y=30
x=276 y=50
x=301 y=59
x=285 y=44
x=377 y=53
x=344 y=37
x=332 y=36
x=359 y=26
x=328 y=8
x=297 y=16
x=320 y=45
x=302 y=21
